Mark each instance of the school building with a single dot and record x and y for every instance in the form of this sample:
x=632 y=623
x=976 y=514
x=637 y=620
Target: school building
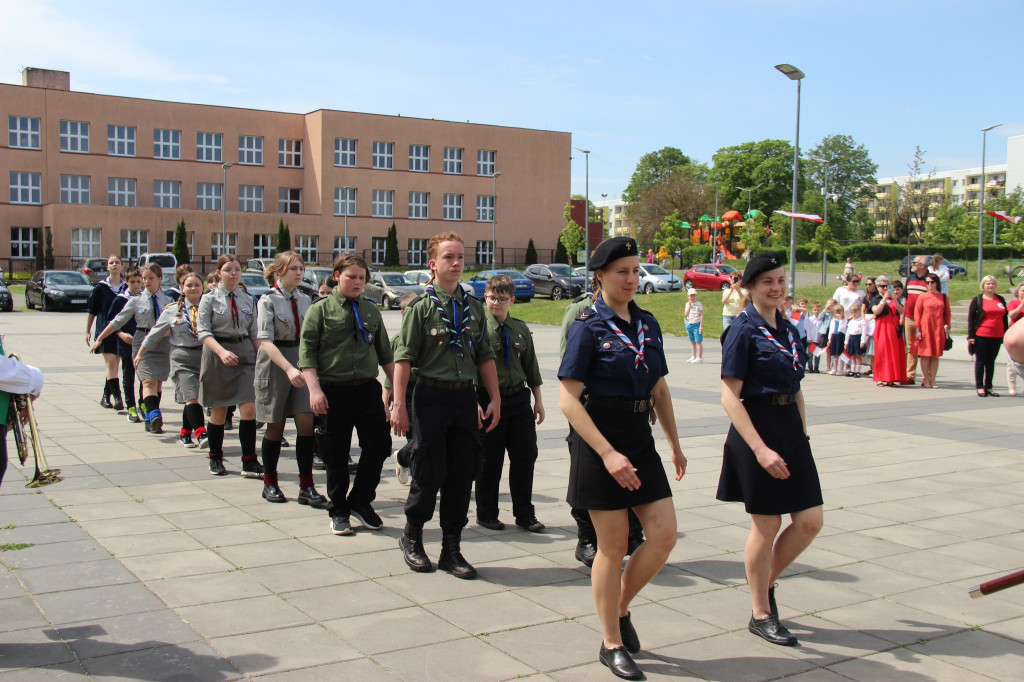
x=106 y=174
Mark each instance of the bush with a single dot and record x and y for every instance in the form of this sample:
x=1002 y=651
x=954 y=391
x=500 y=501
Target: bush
x=692 y=255
x=531 y=253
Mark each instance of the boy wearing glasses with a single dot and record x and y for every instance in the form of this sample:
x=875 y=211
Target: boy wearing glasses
x=518 y=377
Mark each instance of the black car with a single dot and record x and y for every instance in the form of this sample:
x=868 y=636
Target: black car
x=6 y=300
x=954 y=269
x=555 y=280
x=58 y=289
x=94 y=268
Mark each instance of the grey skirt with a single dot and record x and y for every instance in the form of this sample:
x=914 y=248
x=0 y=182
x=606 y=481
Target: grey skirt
x=223 y=386
x=185 y=363
x=276 y=398
x=155 y=364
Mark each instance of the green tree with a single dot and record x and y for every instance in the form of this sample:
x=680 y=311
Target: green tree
x=752 y=235
x=683 y=191
x=651 y=168
x=823 y=241
x=672 y=235
x=1013 y=205
x=531 y=253
x=284 y=238
x=48 y=254
x=180 y=248
x=952 y=225
x=765 y=166
x=561 y=256
x=850 y=173
x=391 y=247
x=917 y=197
x=572 y=240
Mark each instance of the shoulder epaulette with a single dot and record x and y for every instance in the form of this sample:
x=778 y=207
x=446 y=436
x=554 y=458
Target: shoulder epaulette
x=172 y=303
x=582 y=297
x=586 y=314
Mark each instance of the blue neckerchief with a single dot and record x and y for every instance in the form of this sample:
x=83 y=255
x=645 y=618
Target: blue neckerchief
x=359 y=320
x=506 y=342
x=456 y=327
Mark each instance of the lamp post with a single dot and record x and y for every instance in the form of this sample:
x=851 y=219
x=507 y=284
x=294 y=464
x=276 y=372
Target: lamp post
x=586 y=214
x=793 y=74
x=224 y=209
x=824 y=192
x=494 y=218
x=750 y=192
x=981 y=204
x=714 y=223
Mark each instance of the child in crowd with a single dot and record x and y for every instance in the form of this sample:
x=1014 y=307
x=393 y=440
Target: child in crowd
x=836 y=339
x=694 y=317
x=402 y=455
x=824 y=318
x=814 y=336
x=796 y=314
x=856 y=340
x=124 y=342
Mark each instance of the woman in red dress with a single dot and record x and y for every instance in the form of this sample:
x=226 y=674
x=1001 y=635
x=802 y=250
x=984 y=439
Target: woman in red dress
x=890 y=366
x=931 y=326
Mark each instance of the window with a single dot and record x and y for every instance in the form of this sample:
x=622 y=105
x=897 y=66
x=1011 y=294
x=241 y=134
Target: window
x=23 y=241
x=26 y=188
x=166 y=144
x=166 y=194
x=484 y=208
x=85 y=242
x=377 y=251
x=485 y=253
x=209 y=196
x=344 y=201
x=382 y=205
x=264 y=245
x=23 y=132
x=419 y=158
x=418 y=205
x=289 y=200
x=190 y=238
x=344 y=152
x=121 y=192
x=217 y=247
x=120 y=140
x=250 y=198
x=452 y=207
x=453 y=160
x=485 y=162
x=134 y=243
x=289 y=153
x=250 y=150
x=74 y=189
x=306 y=246
x=74 y=136
x=417 y=252
x=341 y=247
x=208 y=147
x=384 y=155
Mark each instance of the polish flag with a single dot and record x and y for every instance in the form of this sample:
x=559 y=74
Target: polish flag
x=818 y=352
x=844 y=358
x=1002 y=216
x=811 y=347
x=803 y=216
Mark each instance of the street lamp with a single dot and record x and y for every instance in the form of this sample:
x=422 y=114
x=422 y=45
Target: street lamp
x=494 y=218
x=750 y=192
x=981 y=205
x=586 y=219
x=224 y=208
x=793 y=74
x=824 y=192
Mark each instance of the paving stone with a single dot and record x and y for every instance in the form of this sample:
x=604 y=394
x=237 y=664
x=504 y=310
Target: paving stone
x=63 y=672
x=206 y=588
x=110 y=636
x=47 y=579
x=176 y=564
x=384 y=631
x=286 y=648
x=350 y=599
x=153 y=543
x=74 y=606
x=192 y=660
x=426 y=664
x=20 y=613
x=242 y=616
x=905 y=666
x=31 y=648
x=362 y=669
x=301 y=575
x=54 y=553
x=735 y=656
x=492 y=612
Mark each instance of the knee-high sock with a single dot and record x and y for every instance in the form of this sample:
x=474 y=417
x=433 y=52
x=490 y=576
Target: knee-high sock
x=195 y=417
x=247 y=439
x=215 y=432
x=115 y=387
x=271 y=455
x=304 y=455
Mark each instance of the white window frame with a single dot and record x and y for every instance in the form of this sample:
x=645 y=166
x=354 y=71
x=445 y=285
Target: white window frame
x=264 y=244
x=75 y=189
x=419 y=158
x=307 y=246
x=345 y=152
x=419 y=205
x=190 y=238
x=166 y=144
x=485 y=162
x=167 y=194
x=209 y=196
x=339 y=244
x=86 y=242
x=416 y=256
x=209 y=147
x=378 y=250
x=120 y=140
x=452 y=207
x=383 y=204
x=345 y=201
x=383 y=155
x=250 y=199
x=289 y=153
x=23 y=132
x=216 y=250
x=250 y=150
x=453 y=160
x=24 y=241
x=289 y=198
x=122 y=192
x=26 y=187
x=134 y=243
x=74 y=137
x=484 y=252
x=484 y=208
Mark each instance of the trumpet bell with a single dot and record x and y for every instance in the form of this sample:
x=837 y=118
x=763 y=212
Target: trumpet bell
x=48 y=477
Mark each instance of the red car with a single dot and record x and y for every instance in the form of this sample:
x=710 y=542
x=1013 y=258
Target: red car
x=709 y=276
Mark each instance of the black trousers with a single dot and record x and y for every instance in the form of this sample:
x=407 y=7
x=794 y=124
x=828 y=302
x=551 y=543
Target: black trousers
x=3 y=451
x=985 y=351
x=517 y=433
x=444 y=455
x=128 y=381
x=358 y=407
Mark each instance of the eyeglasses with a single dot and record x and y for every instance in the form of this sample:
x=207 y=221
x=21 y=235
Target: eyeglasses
x=933 y=281
x=882 y=286
x=500 y=301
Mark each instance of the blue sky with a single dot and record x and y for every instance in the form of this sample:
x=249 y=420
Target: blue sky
x=624 y=78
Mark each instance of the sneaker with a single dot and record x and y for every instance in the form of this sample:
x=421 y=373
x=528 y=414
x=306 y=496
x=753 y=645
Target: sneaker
x=285 y=443
x=252 y=469
x=186 y=441
x=401 y=472
x=117 y=403
x=133 y=415
x=341 y=526
x=699 y=361
x=217 y=466
x=156 y=422
x=318 y=463
x=692 y=359
x=365 y=515
x=204 y=441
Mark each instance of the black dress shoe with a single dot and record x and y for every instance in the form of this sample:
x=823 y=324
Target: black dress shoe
x=105 y=401
x=318 y=463
x=530 y=523
x=311 y=497
x=772 y=631
x=116 y=402
x=491 y=524
x=585 y=552
x=620 y=663
x=271 y=493
x=630 y=640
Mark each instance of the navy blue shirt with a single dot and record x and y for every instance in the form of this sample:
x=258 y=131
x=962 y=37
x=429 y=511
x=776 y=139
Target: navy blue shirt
x=595 y=355
x=124 y=350
x=749 y=355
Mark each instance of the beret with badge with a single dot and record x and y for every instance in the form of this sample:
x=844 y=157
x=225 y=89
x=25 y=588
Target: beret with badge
x=610 y=250
x=761 y=263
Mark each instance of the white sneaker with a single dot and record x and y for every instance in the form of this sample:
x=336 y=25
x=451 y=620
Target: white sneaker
x=401 y=472
x=698 y=361
x=692 y=359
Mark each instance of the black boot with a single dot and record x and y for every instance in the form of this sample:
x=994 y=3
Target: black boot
x=451 y=559
x=411 y=543
x=586 y=545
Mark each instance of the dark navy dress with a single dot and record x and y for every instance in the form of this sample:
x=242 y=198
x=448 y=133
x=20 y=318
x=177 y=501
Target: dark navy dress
x=770 y=382
x=102 y=296
x=617 y=397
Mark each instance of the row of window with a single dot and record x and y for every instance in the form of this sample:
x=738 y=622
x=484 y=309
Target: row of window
x=86 y=243
x=23 y=132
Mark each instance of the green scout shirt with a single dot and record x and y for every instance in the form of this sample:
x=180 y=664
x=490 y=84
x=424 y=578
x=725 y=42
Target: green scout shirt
x=412 y=369
x=571 y=313
x=522 y=365
x=333 y=346
x=424 y=340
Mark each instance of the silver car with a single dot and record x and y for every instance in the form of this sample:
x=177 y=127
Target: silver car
x=654 y=278
x=389 y=288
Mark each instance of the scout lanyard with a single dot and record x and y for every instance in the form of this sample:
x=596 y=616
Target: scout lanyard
x=629 y=344
x=359 y=320
x=792 y=342
x=192 y=317
x=453 y=327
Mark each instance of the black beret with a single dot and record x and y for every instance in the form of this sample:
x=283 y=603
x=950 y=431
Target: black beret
x=612 y=249
x=761 y=263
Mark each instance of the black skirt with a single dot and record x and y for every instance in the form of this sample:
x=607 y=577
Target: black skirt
x=590 y=484
x=744 y=480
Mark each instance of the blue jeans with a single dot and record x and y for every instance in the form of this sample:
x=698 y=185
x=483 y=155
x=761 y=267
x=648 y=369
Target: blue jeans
x=727 y=320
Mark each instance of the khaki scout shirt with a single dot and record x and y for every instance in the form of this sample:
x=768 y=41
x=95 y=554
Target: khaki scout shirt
x=522 y=365
x=215 y=317
x=276 y=320
x=333 y=346
x=424 y=340
x=176 y=317
x=141 y=307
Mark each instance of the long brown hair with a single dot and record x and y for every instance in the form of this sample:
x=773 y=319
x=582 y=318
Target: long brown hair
x=281 y=263
x=227 y=258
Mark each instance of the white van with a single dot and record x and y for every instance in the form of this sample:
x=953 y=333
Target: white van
x=166 y=261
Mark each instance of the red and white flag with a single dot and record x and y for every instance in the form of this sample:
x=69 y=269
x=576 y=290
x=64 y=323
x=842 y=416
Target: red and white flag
x=1002 y=216
x=803 y=216
x=844 y=358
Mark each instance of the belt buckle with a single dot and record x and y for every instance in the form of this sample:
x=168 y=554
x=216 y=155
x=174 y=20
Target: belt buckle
x=640 y=405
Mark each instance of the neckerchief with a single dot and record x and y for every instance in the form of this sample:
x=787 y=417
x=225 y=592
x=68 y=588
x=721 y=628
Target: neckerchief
x=192 y=317
x=358 y=320
x=459 y=325
x=295 y=309
x=625 y=339
x=505 y=344
x=120 y=289
x=234 y=309
x=792 y=341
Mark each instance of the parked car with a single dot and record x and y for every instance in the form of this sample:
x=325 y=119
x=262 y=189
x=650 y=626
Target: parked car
x=389 y=288
x=166 y=261
x=555 y=280
x=58 y=289
x=255 y=284
x=6 y=299
x=311 y=280
x=421 y=277
x=169 y=285
x=708 y=276
x=954 y=269
x=581 y=271
x=94 y=268
x=524 y=286
x=653 y=278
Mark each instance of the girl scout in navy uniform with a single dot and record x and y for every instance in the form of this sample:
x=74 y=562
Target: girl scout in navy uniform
x=227 y=328
x=103 y=294
x=615 y=351
x=767 y=462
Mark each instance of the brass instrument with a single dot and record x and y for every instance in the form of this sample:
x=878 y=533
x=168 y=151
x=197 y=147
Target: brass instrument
x=26 y=438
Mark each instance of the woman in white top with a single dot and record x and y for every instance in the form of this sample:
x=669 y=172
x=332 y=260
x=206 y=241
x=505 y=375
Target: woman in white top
x=849 y=294
x=733 y=300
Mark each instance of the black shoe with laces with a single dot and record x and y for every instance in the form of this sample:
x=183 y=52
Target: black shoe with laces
x=310 y=496
x=585 y=552
x=252 y=469
x=771 y=631
x=117 y=403
x=217 y=466
x=186 y=441
x=530 y=523
x=366 y=516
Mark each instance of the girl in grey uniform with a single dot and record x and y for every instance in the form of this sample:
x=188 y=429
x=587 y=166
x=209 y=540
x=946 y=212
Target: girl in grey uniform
x=280 y=387
x=180 y=322
x=154 y=369
x=227 y=328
